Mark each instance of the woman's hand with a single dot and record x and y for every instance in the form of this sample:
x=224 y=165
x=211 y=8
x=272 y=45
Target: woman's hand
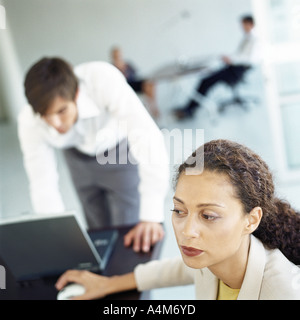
x=96 y=286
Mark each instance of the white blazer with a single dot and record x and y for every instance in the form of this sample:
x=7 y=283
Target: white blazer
x=269 y=276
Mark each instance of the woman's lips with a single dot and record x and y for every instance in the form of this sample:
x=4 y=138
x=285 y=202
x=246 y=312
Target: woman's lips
x=190 y=251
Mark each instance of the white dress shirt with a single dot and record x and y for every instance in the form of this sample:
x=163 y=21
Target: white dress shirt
x=108 y=112
x=248 y=52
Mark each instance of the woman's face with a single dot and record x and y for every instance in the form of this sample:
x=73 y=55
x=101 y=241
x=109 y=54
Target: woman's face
x=208 y=219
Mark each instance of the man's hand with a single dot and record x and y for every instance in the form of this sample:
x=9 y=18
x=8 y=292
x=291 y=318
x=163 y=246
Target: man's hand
x=144 y=235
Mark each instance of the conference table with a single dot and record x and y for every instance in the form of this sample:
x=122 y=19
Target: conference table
x=180 y=68
x=122 y=260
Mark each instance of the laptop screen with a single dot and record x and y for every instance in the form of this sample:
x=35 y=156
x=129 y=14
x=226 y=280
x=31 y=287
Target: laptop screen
x=46 y=245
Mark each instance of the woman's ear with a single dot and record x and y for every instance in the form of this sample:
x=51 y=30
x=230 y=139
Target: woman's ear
x=253 y=219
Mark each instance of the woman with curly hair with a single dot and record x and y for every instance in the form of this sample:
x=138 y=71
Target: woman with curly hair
x=236 y=238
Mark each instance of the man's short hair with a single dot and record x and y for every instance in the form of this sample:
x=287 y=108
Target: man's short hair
x=248 y=19
x=47 y=79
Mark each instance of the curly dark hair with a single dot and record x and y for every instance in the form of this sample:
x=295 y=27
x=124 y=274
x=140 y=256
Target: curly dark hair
x=253 y=182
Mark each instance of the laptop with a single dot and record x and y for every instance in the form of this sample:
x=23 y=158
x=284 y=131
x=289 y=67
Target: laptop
x=38 y=246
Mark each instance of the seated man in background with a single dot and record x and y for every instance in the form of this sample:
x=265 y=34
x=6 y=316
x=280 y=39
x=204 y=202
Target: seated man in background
x=143 y=86
x=235 y=67
x=92 y=113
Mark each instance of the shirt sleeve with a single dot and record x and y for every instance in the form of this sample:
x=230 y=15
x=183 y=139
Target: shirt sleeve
x=41 y=167
x=145 y=140
x=163 y=273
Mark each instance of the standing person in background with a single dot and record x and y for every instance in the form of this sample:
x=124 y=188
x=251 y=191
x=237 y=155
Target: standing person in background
x=144 y=86
x=93 y=114
x=236 y=65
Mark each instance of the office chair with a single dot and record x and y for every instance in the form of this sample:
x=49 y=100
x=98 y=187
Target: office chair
x=238 y=99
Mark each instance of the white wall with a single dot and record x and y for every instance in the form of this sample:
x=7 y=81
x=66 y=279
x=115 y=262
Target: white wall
x=2 y=109
x=11 y=91
x=151 y=32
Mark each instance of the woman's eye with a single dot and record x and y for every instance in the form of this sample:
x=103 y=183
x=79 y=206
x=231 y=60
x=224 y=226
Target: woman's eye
x=208 y=217
x=178 y=212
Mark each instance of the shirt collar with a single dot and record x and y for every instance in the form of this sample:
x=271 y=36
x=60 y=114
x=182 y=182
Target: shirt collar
x=251 y=33
x=252 y=282
x=87 y=108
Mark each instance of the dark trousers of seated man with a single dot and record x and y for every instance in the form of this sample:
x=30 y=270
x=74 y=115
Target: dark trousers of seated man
x=230 y=75
x=108 y=192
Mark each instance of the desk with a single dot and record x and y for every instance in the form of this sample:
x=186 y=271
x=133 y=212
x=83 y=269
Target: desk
x=176 y=70
x=122 y=260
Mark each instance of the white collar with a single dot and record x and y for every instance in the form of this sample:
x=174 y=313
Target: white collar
x=86 y=106
x=252 y=282
x=86 y=109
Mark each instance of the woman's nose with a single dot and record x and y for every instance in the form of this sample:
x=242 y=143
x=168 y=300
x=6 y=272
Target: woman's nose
x=191 y=227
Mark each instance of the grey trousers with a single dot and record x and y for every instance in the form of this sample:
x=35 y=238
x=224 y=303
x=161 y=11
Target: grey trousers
x=108 y=192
